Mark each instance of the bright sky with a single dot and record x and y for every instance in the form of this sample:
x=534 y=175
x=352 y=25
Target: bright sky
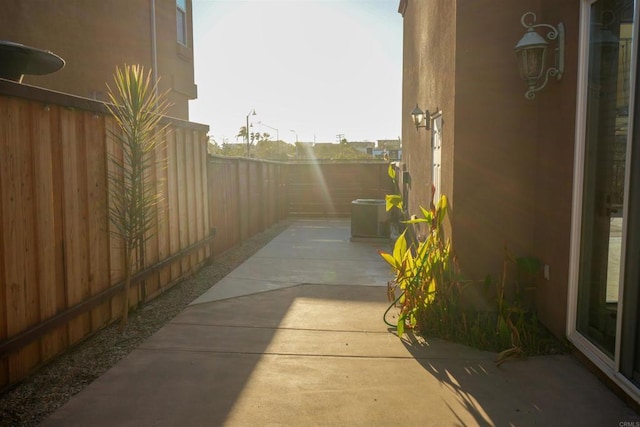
x=317 y=67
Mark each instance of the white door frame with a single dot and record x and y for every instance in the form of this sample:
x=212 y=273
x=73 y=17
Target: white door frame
x=610 y=367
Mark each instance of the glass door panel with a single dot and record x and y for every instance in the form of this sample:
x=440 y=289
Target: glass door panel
x=608 y=101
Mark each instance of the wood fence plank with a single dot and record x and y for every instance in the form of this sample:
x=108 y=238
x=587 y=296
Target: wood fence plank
x=189 y=202
x=12 y=242
x=200 y=200
x=205 y=189
x=14 y=245
x=4 y=371
x=116 y=261
x=97 y=218
x=22 y=362
x=58 y=223
x=219 y=208
x=173 y=200
x=243 y=198
x=204 y=177
x=163 y=209
x=5 y=141
x=28 y=263
x=47 y=251
x=149 y=286
x=75 y=230
x=183 y=212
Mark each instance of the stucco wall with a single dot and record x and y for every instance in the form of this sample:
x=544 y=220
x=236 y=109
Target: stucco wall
x=429 y=78
x=495 y=147
x=555 y=162
x=507 y=161
x=95 y=36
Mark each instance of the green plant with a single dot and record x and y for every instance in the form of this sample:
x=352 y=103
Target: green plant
x=137 y=110
x=423 y=273
x=393 y=200
x=432 y=292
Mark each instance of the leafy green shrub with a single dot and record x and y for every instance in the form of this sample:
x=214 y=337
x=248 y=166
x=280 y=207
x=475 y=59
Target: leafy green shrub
x=431 y=293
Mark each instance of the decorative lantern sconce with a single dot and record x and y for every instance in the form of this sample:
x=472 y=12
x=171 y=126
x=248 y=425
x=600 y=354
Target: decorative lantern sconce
x=531 y=51
x=420 y=116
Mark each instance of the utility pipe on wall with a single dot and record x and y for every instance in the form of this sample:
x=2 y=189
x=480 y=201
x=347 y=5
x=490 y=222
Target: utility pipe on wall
x=154 y=46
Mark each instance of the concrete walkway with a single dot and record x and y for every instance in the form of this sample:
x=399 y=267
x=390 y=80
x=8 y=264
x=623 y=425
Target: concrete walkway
x=295 y=337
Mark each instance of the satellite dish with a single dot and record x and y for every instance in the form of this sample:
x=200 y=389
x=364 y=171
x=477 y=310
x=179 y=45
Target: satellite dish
x=16 y=60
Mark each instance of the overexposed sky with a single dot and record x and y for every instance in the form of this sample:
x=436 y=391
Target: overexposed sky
x=318 y=67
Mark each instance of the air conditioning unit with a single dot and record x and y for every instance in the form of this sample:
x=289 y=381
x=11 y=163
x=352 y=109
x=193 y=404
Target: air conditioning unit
x=369 y=219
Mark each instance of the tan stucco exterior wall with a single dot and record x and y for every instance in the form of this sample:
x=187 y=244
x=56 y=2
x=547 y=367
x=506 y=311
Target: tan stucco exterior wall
x=93 y=37
x=429 y=81
x=507 y=162
x=554 y=170
x=495 y=140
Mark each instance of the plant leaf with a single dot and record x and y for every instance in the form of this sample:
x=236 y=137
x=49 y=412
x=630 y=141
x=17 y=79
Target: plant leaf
x=392 y=171
x=441 y=209
x=393 y=200
x=400 y=328
x=390 y=260
x=400 y=248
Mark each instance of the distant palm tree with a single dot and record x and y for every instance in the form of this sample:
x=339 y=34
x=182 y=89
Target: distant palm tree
x=242 y=133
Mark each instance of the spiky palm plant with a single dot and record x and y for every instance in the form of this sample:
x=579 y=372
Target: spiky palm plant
x=137 y=109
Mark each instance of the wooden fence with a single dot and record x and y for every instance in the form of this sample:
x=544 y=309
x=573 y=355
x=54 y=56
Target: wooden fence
x=61 y=271
x=328 y=188
x=246 y=197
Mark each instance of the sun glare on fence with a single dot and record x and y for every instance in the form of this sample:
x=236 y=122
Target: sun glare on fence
x=317 y=172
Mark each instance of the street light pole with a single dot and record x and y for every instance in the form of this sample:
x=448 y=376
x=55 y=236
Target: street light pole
x=246 y=133
x=276 y=129
x=296 y=133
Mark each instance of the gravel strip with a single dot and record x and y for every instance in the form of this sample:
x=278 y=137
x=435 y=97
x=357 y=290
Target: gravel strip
x=32 y=400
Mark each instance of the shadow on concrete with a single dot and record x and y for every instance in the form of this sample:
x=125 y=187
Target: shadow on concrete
x=542 y=390
x=195 y=370
x=320 y=354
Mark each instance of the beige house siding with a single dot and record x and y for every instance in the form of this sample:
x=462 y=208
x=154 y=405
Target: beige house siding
x=429 y=79
x=507 y=162
x=93 y=37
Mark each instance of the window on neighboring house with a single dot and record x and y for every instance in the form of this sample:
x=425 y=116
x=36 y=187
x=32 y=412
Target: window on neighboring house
x=181 y=15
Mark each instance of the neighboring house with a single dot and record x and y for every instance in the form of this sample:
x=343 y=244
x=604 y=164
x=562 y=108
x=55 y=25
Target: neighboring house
x=556 y=177
x=392 y=148
x=389 y=144
x=94 y=37
x=362 y=146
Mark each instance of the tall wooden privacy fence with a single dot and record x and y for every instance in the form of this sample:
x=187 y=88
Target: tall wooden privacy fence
x=328 y=188
x=247 y=196
x=61 y=272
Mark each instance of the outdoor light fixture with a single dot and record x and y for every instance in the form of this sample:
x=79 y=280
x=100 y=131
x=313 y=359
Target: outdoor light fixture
x=531 y=51
x=420 y=116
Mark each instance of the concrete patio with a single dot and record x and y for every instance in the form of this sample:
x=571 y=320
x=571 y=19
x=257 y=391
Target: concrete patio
x=294 y=336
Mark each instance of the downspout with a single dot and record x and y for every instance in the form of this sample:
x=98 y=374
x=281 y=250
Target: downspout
x=154 y=46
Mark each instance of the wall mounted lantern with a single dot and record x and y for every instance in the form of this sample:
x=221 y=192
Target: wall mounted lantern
x=420 y=116
x=531 y=52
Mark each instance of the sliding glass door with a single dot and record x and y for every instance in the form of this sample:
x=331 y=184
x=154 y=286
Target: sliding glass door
x=608 y=101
